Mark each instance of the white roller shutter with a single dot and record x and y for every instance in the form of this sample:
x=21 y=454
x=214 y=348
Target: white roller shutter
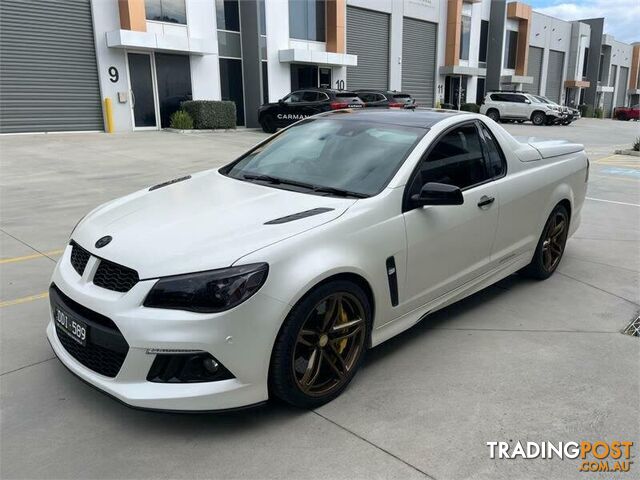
x=419 y=46
x=368 y=38
x=534 y=69
x=554 y=76
x=48 y=72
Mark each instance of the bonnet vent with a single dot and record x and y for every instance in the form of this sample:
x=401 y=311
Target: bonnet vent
x=170 y=182
x=298 y=216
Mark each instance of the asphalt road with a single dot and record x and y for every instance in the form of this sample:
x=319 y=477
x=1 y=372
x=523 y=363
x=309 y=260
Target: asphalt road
x=522 y=360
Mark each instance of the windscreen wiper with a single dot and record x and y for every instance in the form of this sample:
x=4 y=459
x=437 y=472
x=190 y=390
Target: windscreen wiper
x=308 y=186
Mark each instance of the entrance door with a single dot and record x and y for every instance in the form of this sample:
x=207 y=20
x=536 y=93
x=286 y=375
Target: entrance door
x=324 y=77
x=142 y=97
x=173 y=76
x=303 y=76
x=454 y=90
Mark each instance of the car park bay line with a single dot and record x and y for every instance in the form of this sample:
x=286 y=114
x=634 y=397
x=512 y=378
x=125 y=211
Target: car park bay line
x=18 y=301
x=612 y=201
x=31 y=257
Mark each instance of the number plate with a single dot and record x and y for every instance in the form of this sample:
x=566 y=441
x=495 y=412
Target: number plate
x=73 y=327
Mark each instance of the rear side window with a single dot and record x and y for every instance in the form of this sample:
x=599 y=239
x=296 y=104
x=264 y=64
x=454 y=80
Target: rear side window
x=309 y=96
x=496 y=162
x=457 y=159
x=498 y=97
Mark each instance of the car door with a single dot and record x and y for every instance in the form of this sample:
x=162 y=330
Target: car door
x=497 y=101
x=447 y=246
x=288 y=109
x=510 y=107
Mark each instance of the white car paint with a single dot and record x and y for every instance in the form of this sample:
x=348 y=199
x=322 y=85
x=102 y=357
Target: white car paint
x=442 y=254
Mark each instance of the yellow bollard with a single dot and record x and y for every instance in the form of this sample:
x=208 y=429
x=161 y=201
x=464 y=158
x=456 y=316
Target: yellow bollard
x=108 y=111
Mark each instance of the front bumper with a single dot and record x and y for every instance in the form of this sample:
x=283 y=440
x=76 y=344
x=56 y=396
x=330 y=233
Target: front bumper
x=241 y=339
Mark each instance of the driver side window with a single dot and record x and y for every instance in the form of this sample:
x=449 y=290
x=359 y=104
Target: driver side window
x=294 y=97
x=456 y=159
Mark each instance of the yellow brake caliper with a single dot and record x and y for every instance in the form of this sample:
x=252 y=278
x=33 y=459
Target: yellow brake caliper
x=342 y=318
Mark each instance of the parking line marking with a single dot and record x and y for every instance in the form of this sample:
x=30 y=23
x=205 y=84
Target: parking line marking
x=612 y=201
x=18 y=301
x=30 y=257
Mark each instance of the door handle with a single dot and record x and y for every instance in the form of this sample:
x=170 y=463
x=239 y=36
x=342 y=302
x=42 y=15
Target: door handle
x=484 y=201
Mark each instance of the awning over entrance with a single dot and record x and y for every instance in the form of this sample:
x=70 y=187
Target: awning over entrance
x=299 y=55
x=165 y=43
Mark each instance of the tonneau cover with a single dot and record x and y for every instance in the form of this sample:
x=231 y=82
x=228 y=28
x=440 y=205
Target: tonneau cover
x=551 y=148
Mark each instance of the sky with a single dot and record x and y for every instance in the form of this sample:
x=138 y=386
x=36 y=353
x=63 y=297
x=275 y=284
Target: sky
x=622 y=17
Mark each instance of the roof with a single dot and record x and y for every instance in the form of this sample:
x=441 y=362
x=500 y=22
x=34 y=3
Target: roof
x=419 y=117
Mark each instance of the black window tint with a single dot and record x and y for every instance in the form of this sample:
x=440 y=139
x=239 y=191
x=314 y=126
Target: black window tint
x=455 y=160
x=484 y=36
x=294 y=97
x=228 y=15
x=309 y=96
x=366 y=97
x=497 y=164
x=498 y=97
x=519 y=98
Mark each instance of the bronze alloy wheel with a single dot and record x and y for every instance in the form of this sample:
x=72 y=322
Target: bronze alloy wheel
x=554 y=240
x=329 y=344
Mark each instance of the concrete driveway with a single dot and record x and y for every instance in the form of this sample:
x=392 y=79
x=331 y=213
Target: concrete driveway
x=522 y=360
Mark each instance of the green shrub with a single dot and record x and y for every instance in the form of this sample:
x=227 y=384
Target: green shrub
x=181 y=120
x=636 y=144
x=470 y=107
x=211 y=113
x=586 y=110
x=598 y=113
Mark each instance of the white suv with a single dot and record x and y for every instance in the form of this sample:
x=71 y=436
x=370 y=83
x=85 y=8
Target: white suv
x=519 y=106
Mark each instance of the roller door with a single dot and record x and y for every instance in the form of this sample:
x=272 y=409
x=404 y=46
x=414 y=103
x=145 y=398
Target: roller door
x=621 y=96
x=554 y=75
x=368 y=38
x=419 y=45
x=48 y=72
x=534 y=69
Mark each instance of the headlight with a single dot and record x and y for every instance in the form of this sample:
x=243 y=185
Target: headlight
x=208 y=292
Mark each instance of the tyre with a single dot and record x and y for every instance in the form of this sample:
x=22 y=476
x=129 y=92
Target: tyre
x=551 y=245
x=494 y=115
x=520 y=121
x=538 y=118
x=268 y=124
x=320 y=345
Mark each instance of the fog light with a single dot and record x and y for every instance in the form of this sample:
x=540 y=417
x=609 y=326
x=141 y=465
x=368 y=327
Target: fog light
x=187 y=368
x=210 y=365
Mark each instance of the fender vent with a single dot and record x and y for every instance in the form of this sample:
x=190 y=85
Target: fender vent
x=298 y=216
x=170 y=182
x=633 y=328
x=392 y=275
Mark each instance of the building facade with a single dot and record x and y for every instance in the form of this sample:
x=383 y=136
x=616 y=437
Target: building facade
x=60 y=60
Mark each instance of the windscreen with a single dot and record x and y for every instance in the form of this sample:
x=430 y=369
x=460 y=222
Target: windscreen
x=351 y=155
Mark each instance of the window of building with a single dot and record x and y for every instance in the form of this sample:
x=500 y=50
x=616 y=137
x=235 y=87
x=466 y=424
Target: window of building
x=231 y=85
x=510 y=49
x=480 y=87
x=228 y=15
x=484 y=40
x=457 y=160
x=172 y=11
x=585 y=62
x=265 y=83
x=601 y=67
x=465 y=37
x=307 y=19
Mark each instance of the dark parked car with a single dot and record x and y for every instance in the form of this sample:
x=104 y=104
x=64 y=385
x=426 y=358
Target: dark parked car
x=304 y=103
x=386 y=99
x=627 y=113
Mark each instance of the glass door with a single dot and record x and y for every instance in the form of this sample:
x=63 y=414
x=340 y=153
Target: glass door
x=143 y=100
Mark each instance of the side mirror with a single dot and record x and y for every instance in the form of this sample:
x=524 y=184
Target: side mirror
x=438 y=194
x=526 y=100
x=281 y=102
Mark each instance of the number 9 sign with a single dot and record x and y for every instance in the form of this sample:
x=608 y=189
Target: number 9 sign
x=114 y=75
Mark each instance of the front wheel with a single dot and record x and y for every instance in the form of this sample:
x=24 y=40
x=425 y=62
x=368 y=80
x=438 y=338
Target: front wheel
x=551 y=245
x=321 y=345
x=268 y=124
x=538 y=118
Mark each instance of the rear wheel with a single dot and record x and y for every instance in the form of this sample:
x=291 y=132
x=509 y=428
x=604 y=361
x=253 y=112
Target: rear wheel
x=268 y=124
x=321 y=345
x=551 y=245
x=494 y=115
x=622 y=116
x=538 y=118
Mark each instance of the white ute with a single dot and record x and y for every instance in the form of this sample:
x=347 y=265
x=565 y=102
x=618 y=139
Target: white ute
x=272 y=276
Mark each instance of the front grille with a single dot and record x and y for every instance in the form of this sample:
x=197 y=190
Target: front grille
x=95 y=357
x=79 y=258
x=115 y=277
